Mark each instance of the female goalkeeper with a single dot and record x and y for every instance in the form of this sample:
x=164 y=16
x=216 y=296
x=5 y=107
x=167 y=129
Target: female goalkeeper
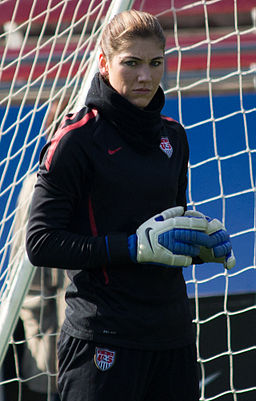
x=109 y=207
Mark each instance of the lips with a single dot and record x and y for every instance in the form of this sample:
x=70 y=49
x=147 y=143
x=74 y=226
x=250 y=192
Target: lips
x=141 y=90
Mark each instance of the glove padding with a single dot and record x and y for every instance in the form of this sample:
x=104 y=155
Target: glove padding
x=217 y=248
x=168 y=239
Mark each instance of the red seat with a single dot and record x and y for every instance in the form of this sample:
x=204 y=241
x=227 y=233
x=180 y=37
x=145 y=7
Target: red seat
x=26 y=8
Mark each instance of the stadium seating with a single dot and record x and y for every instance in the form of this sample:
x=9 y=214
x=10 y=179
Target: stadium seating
x=24 y=9
x=223 y=52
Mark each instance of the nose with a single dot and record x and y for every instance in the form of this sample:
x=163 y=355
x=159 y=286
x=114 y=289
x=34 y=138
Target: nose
x=144 y=74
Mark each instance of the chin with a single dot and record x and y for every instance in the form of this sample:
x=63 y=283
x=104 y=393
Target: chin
x=141 y=104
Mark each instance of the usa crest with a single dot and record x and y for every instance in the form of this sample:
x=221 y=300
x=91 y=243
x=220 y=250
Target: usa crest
x=104 y=358
x=165 y=146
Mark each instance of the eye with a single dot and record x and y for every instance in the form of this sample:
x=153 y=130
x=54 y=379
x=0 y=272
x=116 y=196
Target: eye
x=131 y=63
x=156 y=63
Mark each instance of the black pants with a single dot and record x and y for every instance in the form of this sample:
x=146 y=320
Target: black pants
x=92 y=372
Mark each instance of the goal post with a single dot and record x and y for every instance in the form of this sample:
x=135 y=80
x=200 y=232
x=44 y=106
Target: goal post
x=11 y=304
x=48 y=53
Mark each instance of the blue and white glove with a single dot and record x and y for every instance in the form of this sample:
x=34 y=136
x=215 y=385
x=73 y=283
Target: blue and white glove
x=168 y=239
x=218 y=248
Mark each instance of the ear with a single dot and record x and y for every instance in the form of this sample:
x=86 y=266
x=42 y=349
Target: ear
x=103 y=65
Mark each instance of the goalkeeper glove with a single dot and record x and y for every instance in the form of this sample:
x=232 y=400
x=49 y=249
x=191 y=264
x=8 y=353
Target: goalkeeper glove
x=168 y=239
x=218 y=248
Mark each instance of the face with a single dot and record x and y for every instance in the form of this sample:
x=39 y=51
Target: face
x=136 y=71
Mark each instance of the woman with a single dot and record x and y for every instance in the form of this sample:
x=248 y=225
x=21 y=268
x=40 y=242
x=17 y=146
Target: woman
x=111 y=167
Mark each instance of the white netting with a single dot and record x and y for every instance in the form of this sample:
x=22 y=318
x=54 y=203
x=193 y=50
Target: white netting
x=210 y=87
x=45 y=51
x=214 y=90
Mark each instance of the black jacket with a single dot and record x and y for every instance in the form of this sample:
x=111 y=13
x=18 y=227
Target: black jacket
x=102 y=175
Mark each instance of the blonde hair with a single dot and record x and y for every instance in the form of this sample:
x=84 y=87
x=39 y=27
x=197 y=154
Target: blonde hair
x=129 y=25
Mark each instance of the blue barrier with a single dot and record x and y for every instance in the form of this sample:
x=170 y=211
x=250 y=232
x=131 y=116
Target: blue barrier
x=205 y=180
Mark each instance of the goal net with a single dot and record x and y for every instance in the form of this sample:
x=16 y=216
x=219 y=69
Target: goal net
x=47 y=59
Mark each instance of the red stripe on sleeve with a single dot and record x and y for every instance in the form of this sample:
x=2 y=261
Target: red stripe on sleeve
x=92 y=219
x=95 y=233
x=63 y=131
x=167 y=118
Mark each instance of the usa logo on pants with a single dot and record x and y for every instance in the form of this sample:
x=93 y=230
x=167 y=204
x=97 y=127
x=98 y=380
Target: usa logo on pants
x=104 y=358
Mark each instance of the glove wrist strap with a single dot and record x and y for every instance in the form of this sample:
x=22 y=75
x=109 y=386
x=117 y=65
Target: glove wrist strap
x=132 y=247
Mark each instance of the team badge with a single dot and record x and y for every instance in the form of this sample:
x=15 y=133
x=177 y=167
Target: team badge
x=104 y=358
x=165 y=146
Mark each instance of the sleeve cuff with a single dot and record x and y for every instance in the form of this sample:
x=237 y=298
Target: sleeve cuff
x=117 y=249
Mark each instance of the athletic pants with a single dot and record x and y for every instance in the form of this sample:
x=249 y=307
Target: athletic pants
x=94 y=372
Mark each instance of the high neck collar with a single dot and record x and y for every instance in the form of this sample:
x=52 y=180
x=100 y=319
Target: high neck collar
x=141 y=127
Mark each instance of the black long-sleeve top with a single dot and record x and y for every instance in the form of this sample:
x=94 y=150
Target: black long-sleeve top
x=108 y=169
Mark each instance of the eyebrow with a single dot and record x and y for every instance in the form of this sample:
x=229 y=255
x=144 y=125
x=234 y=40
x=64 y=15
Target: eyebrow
x=138 y=58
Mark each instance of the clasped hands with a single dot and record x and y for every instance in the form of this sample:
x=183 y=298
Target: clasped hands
x=173 y=239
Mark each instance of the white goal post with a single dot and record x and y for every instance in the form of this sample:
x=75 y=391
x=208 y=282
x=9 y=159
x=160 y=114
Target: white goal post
x=48 y=53
x=10 y=306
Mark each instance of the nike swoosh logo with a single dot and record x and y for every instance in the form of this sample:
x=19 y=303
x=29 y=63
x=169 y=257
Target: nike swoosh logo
x=112 y=152
x=148 y=237
x=209 y=379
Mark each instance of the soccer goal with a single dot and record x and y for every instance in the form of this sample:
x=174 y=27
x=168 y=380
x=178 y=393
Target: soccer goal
x=48 y=57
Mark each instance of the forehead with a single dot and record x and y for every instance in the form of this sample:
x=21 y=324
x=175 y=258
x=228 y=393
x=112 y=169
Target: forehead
x=141 y=47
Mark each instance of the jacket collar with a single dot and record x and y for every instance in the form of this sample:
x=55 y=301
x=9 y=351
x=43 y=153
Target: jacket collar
x=139 y=127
